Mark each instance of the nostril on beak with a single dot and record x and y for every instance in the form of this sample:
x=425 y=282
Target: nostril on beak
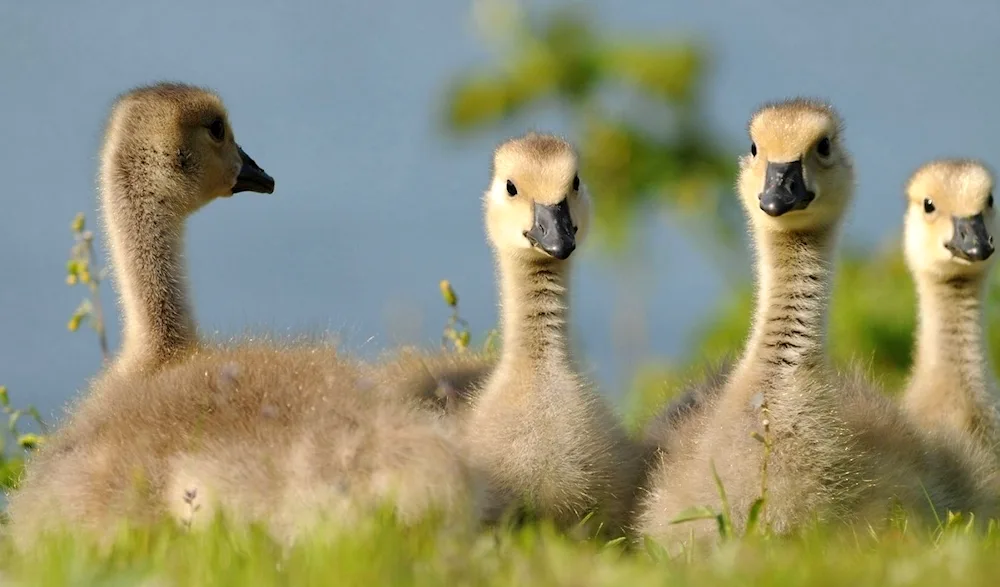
x=990 y=241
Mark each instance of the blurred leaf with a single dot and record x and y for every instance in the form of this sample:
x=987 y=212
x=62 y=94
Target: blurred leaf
x=663 y=70
x=753 y=519
x=477 y=102
x=448 y=293
x=78 y=224
x=694 y=513
x=10 y=472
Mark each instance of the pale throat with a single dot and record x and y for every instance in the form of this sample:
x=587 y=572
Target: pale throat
x=794 y=279
x=534 y=311
x=147 y=252
x=950 y=327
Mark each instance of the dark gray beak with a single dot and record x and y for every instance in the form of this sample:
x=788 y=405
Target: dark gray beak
x=784 y=189
x=970 y=241
x=553 y=231
x=252 y=178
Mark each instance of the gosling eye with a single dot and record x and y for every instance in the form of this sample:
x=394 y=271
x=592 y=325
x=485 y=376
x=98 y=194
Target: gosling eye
x=511 y=188
x=823 y=147
x=989 y=200
x=928 y=205
x=218 y=129
x=576 y=183
x=753 y=149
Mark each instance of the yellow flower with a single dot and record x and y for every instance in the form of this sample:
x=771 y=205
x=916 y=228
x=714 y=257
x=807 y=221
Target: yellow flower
x=448 y=293
x=78 y=222
x=30 y=441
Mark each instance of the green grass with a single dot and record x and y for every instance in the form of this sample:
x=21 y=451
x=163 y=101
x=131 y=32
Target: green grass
x=381 y=553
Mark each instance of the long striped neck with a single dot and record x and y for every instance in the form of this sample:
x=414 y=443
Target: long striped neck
x=534 y=304
x=794 y=274
x=949 y=337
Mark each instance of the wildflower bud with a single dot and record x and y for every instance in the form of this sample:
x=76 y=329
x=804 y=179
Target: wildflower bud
x=85 y=276
x=463 y=339
x=448 y=293
x=29 y=441
x=4 y=398
x=74 y=322
x=78 y=222
x=71 y=279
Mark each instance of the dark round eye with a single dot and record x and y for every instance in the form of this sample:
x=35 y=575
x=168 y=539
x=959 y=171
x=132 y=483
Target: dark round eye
x=511 y=189
x=989 y=200
x=218 y=129
x=928 y=205
x=753 y=149
x=823 y=147
x=576 y=183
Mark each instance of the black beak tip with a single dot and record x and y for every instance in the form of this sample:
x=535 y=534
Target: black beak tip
x=971 y=240
x=252 y=178
x=259 y=182
x=773 y=208
x=266 y=183
x=974 y=254
x=561 y=251
x=980 y=253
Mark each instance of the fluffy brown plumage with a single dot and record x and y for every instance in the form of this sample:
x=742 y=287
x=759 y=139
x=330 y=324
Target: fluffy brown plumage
x=677 y=423
x=445 y=382
x=281 y=434
x=281 y=437
x=841 y=451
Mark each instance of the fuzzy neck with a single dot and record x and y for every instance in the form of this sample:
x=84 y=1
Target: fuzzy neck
x=534 y=306
x=950 y=334
x=794 y=274
x=146 y=241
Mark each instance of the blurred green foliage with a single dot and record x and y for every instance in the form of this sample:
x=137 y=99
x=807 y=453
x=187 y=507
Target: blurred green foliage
x=634 y=104
x=81 y=269
x=12 y=461
x=378 y=551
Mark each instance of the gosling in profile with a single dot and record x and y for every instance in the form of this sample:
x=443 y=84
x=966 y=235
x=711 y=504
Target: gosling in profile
x=536 y=427
x=168 y=151
x=948 y=241
x=840 y=450
x=280 y=435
